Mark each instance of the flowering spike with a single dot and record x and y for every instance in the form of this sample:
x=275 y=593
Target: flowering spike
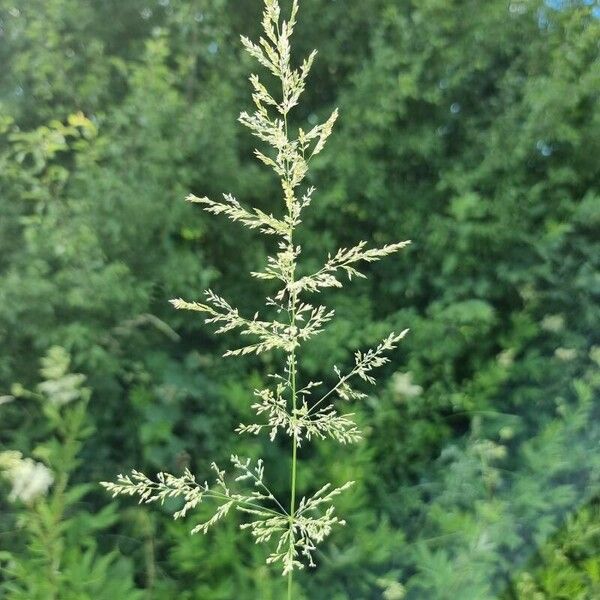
x=284 y=406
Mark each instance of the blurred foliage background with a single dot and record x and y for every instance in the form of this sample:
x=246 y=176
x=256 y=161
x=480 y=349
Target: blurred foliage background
x=470 y=127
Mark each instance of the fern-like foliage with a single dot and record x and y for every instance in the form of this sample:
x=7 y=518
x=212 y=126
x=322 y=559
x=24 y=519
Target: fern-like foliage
x=302 y=411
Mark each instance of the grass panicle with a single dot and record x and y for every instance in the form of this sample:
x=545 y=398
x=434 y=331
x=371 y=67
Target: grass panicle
x=303 y=411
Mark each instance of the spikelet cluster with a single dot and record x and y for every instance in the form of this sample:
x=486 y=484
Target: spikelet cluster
x=303 y=411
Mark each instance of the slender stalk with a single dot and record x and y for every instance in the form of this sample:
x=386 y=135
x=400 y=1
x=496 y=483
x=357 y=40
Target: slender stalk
x=294 y=438
x=294 y=466
x=292 y=371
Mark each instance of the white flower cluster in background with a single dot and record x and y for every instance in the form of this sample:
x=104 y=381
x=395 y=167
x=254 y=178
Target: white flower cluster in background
x=29 y=479
x=60 y=387
x=403 y=386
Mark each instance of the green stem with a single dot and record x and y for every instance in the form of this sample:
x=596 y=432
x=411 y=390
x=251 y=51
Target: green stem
x=294 y=463
x=290 y=580
x=292 y=313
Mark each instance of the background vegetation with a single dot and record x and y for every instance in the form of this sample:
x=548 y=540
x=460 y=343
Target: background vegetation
x=470 y=127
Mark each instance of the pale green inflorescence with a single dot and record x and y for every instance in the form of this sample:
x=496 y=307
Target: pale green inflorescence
x=285 y=407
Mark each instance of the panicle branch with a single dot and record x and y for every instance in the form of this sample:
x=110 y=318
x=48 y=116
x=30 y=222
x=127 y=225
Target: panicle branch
x=255 y=219
x=343 y=261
